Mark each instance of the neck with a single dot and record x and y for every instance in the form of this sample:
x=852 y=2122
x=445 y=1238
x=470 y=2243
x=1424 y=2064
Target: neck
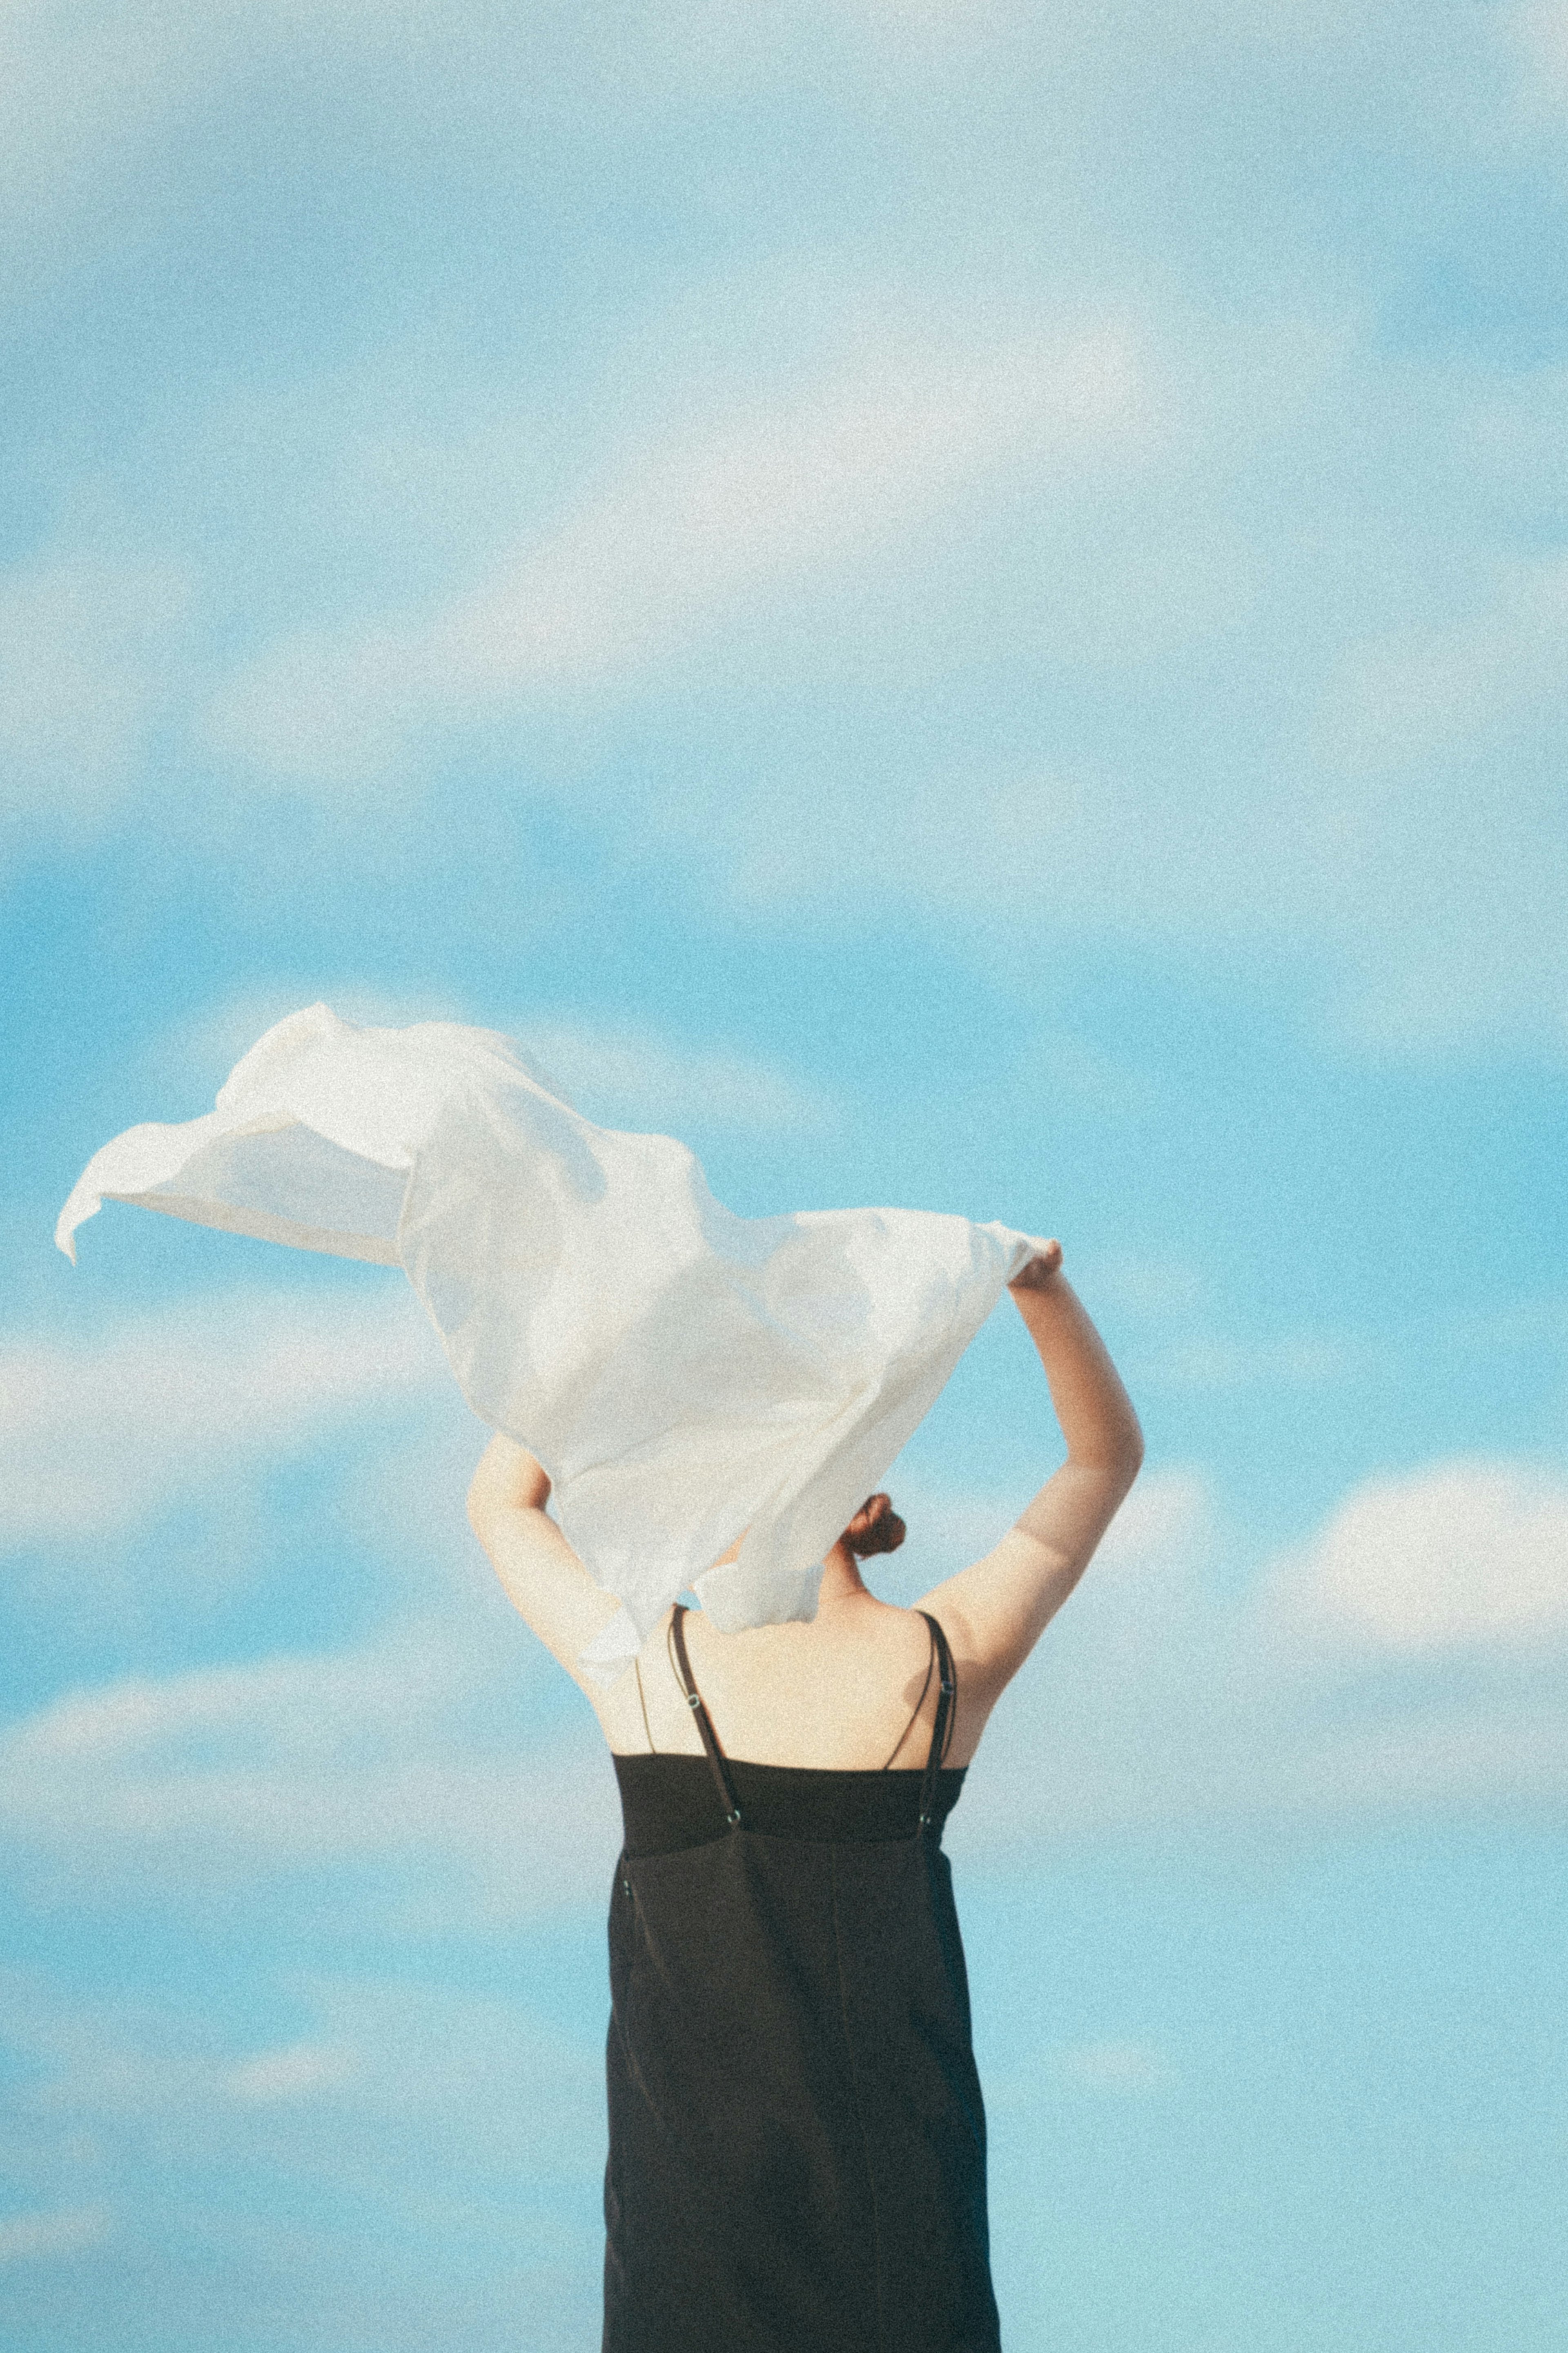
x=841 y=1578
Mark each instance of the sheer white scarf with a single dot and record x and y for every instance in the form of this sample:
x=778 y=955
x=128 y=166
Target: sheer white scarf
x=681 y=1373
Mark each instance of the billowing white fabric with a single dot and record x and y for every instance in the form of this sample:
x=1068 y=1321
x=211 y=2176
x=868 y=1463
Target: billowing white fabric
x=682 y=1374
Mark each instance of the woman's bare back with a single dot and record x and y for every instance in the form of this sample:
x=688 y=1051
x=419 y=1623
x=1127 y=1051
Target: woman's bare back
x=853 y=1690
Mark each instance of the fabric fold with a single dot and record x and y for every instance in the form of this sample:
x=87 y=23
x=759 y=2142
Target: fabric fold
x=682 y=1374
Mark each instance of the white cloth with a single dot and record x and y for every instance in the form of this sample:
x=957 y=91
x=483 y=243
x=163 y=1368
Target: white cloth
x=682 y=1374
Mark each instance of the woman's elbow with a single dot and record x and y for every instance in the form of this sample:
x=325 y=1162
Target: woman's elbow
x=1119 y=1457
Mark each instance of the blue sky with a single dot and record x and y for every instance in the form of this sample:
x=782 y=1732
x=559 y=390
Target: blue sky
x=964 y=605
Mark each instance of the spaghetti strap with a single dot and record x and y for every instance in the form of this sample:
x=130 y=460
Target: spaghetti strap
x=942 y=1729
x=914 y=1712
x=695 y=1702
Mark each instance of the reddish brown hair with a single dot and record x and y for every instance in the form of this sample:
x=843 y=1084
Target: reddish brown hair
x=876 y=1527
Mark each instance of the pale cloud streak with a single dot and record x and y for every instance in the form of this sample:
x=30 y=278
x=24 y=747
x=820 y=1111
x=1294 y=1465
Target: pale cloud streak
x=1296 y=1360
x=87 y=649
x=224 y=1778
x=99 y=1435
x=299 y=2071
x=1539 y=27
x=631 y=1076
x=1119 y=2069
x=1402 y=701
x=62 y=2231
x=448 y=2121
x=765 y=503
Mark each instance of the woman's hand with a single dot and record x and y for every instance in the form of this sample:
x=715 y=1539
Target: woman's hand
x=1040 y=1269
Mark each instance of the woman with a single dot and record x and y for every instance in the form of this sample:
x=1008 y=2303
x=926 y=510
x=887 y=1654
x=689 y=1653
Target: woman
x=797 y=2155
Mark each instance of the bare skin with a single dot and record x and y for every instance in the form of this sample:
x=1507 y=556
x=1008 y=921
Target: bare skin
x=838 y=1691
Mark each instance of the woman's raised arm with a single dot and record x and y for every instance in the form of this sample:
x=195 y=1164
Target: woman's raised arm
x=994 y=1612
x=539 y=1573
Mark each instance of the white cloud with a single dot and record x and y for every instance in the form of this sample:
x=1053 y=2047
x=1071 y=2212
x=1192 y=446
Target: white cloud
x=99 y=1435
x=446 y=2172
x=764 y=503
x=1152 y=1289
x=1540 y=28
x=1375 y=811
x=1116 y=2068
x=1465 y=1552
x=1300 y=1360
x=300 y=1708
x=86 y=647
x=632 y=1076
x=1401 y=700
x=297 y=2072
x=90 y=103
x=391 y=2078
x=63 y=2231
x=409 y=1749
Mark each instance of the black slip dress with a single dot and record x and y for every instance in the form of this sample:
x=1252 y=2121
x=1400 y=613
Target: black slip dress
x=797 y=2142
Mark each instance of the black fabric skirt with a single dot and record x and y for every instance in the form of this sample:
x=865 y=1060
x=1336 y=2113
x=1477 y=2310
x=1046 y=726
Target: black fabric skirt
x=797 y=2141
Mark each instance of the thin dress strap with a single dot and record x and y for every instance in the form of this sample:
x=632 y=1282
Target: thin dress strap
x=694 y=1701
x=914 y=1712
x=941 y=1730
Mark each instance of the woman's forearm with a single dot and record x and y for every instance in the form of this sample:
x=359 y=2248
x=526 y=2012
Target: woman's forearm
x=1095 y=1411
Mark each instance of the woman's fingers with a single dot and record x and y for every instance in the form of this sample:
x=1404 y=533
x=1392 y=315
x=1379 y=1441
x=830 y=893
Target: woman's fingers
x=1040 y=1269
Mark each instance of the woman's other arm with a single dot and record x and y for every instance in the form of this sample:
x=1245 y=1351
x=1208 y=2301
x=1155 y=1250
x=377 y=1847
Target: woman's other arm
x=539 y=1573
x=994 y=1612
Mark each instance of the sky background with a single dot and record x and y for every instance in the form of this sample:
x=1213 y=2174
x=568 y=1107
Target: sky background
x=964 y=605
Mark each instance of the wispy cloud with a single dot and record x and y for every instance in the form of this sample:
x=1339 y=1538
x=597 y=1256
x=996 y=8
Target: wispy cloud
x=99 y=1435
x=87 y=648
x=1401 y=700
x=764 y=503
x=1539 y=27
x=628 y=1076
x=407 y=1750
x=89 y=106
x=1152 y=1289
x=296 y=2072
x=1308 y=730
x=1117 y=2069
x=1295 y=1360
x=64 y=2231
x=436 y=2135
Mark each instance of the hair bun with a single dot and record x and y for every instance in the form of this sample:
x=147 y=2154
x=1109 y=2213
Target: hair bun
x=883 y=1531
